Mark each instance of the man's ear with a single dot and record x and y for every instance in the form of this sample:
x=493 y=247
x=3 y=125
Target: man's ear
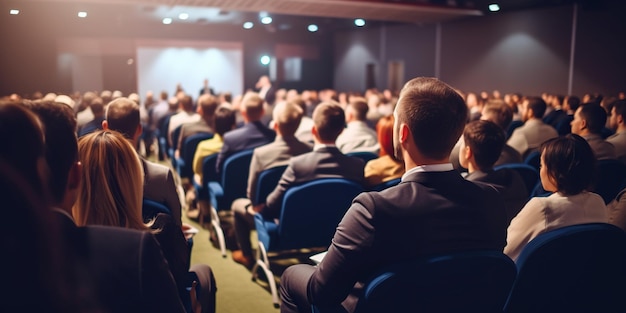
x=468 y=153
x=404 y=133
x=105 y=125
x=583 y=124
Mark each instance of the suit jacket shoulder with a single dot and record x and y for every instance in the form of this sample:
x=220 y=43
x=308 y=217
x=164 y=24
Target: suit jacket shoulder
x=159 y=186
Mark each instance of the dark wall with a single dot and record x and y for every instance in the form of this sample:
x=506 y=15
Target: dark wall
x=525 y=51
x=29 y=60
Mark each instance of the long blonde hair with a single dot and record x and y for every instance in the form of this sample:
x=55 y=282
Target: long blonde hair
x=111 y=192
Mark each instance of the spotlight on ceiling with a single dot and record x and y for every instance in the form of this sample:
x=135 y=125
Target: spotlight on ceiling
x=312 y=28
x=183 y=16
x=265 y=60
x=494 y=7
x=82 y=14
x=266 y=20
x=359 y=22
x=14 y=12
x=167 y=20
x=248 y=25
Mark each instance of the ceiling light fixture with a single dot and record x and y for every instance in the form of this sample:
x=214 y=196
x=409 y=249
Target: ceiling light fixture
x=167 y=20
x=312 y=28
x=265 y=60
x=266 y=20
x=14 y=12
x=359 y=22
x=494 y=7
x=82 y=14
x=183 y=16
x=248 y=25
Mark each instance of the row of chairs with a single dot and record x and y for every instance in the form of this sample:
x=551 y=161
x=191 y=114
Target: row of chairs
x=610 y=180
x=578 y=268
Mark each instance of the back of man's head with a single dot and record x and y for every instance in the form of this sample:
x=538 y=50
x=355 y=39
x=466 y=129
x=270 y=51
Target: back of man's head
x=225 y=120
x=252 y=106
x=572 y=102
x=358 y=108
x=123 y=116
x=186 y=103
x=97 y=107
x=435 y=114
x=22 y=140
x=498 y=112
x=287 y=115
x=594 y=115
x=208 y=104
x=329 y=120
x=537 y=105
x=486 y=140
x=59 y=125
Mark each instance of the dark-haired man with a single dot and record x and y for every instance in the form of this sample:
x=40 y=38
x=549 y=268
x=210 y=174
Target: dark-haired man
x=433 y=210
x=529 y=136
x=589 y=120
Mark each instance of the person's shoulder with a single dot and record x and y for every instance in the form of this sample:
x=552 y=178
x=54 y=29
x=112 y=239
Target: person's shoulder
x=152 y=168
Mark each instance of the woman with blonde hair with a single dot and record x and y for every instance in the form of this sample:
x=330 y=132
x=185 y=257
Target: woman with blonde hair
x=112 y=195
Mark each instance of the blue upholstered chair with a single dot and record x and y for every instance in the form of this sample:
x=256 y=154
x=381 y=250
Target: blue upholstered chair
x=514 y=124
x=151 y=208
x=579 y=268
x=309 y=216
x=611 y=178
x=529 y=174
x=171 y=149
x=267 y=181
x=534 y=159
x=184 y=163
x=365 y=155
x=473 y=281
x=232 y=185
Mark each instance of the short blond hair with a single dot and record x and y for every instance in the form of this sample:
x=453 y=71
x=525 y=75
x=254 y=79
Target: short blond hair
x=287 y=115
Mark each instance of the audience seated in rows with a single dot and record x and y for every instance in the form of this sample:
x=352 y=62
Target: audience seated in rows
x=207 y=104
x=567 y=170
x=357 y=136
x=287 y=116
x=125 y=269
x=386 y=167
x=112 y=195
x=96 y=106
x=251 y=135
x=617 y=122
x=122 y=115
x=480 y=148
x=534 y=132
x=589 y=120
x=185 y=115
x=432 y=210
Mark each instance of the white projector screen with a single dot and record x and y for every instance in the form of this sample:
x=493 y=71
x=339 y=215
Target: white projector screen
x=162 y=66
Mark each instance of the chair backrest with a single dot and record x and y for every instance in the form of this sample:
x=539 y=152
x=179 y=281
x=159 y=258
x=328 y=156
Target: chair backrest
x=533 y=159
x=529 y=174
x=311 y=212
x=611 y=178
x=473 y=281
x=208 y=169
x=364 y=155
x=151 y=208
x=579 y=268
x=514 y=124
x=185 y=169
x=387 y=184
x=267 y=181
x=564 y=126
x=235 y=177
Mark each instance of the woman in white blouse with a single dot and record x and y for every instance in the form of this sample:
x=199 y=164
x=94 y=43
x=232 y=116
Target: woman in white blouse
x=567 y=170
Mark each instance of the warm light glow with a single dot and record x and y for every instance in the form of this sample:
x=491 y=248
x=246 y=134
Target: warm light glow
x=494 y=7
x=359 y=22
x=14 y=12
x=183 y=16
x=167 y=20
x=266 y=20
x=265 y=60
x=248 y=25
x=82 y=14
x=312 y=28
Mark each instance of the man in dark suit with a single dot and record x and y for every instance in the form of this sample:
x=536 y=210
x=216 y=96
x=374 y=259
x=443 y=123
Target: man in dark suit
x=125 y=268
x=481 y=146
x=433 y=210
x=251 y=135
